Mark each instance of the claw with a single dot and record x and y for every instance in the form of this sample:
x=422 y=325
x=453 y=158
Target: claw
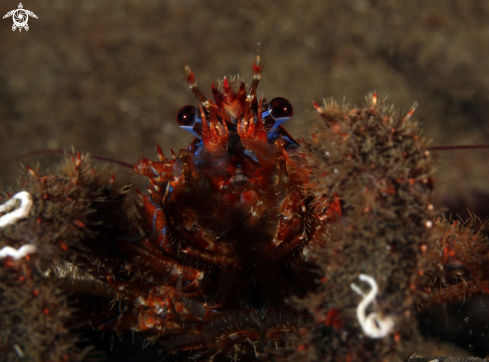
x=253 y=135
x=248 y=128
x=214 y=134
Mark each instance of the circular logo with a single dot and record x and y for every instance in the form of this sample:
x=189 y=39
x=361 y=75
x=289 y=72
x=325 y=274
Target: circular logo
x=20 y=18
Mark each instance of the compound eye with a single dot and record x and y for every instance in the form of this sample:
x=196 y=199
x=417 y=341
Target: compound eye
x=186 y=116
x=281 y=110
x=188 y=119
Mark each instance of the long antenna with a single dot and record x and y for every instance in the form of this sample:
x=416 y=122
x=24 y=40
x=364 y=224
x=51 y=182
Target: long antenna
x=466 y=147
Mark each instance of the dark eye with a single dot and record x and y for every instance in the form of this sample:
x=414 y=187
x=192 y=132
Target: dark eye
x=188 y=119
x=279 y=111
x=186 y=116
x=280 y=108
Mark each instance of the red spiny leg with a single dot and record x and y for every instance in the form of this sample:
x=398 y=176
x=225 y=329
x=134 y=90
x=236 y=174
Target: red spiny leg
x=205 y=239
x=456 y=293
x=152 y=265
x=162 y=171
x=291 y=230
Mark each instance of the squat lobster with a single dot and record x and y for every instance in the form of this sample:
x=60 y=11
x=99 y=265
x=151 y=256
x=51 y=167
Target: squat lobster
x=221 y=257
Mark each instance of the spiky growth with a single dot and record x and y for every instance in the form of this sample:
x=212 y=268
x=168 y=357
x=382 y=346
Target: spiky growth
x=379 y=165
x=34 y=317
x=75 y=210
x=458 y=263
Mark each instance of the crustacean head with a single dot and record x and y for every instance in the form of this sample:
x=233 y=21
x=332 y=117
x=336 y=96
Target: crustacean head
x=239 y=140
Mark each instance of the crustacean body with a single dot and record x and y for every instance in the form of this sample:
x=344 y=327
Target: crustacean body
x=224 y=230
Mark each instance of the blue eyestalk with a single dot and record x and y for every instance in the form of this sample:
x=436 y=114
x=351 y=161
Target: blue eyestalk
x=279 y=110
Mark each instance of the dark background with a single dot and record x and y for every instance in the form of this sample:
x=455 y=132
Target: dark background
x=104 y=76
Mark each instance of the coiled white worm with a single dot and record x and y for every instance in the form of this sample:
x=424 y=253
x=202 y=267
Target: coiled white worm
x=373 y=325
